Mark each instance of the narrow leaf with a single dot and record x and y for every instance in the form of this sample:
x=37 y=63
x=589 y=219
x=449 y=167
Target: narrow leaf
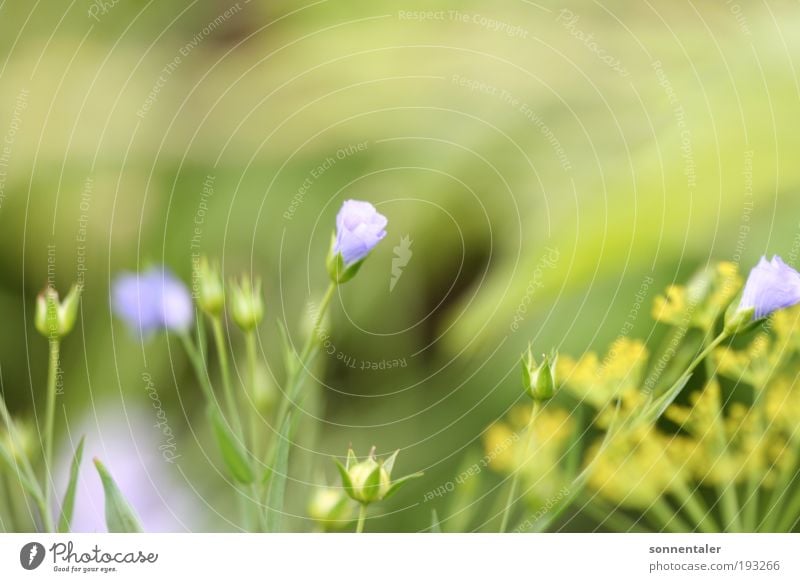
x=289 y=353
x=120 y=516
x=233 y=454
x=30 y=486
x=388 y=464
x=352 y=460
x=68 y=505
x=436 y=526
x=280 y=473
x=346 y=482
x=399 y=483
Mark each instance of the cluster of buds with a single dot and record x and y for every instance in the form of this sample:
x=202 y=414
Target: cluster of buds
x=54 y=318
x=539 y=380
x=370 y=480
x=247 y=304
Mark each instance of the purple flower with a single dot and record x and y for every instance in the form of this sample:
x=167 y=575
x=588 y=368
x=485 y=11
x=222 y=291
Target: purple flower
x=772 y=285
x=143 y=455
x=359 y=227
x=152 y=300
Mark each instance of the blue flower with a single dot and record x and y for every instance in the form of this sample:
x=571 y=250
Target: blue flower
x=772 y=285
x=153 y=300
x=359 y=227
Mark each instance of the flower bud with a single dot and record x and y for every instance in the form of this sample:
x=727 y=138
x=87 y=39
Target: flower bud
x=55 y=319
x=370 y=480
x=359 y=228
x=210 y=294
x=330 y=508
x=246 y=303
x=539 y=381
x=771 y=285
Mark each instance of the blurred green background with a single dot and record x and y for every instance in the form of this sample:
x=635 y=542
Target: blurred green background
x=636 y=140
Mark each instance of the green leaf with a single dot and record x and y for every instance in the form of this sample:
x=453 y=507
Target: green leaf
x=346 y=482
x=352 y=460
x=400 y=482
x=280 y=473
x=120 y=516
x=388 y=464
x=68 y=505
x=31 y=487
x=436 y=526
x=233 y=454
x=372 y=484
x=289 y=353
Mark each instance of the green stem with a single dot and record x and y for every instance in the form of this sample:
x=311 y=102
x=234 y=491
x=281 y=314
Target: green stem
x=9 y=513
x=30 y=474
x=292 y=382
x=222 y=352
x=362 y=518
x=512 y=494
x=669 y=520
x=695 y=508
x=790 y=516
x=653 y=412
x=788 y=474
x=252 y=359
x=49 y=428
x=196 y=359
x=200 y=370
x=609 y=516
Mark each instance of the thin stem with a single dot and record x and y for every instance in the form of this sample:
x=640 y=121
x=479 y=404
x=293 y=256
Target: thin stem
x=196 y=359
x=362 y=518
x=668 y=519
x=252 y=362
x=696 y=509
x=790 y=515
x=9 y=524
x=788 y=473
x=292 y=382
x=28 y=471
x=656 y=408
x=222 y=352
x=49 y=427
x=512 y=494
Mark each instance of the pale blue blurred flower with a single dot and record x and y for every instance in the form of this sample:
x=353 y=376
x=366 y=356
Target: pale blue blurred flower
x=359 y=227
x=142 y=456
x=772 y=285
x=153 y=300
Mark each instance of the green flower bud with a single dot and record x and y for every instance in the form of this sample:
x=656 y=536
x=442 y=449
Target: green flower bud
x=210 y=293
x=55 y=319
x=539 y=381
x=339 y=271
x=246 y=303
x=739 y=320
x=370 y=480
x=330 y=508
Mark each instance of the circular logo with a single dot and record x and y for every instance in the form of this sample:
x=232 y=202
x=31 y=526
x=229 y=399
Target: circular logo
x=31 y=555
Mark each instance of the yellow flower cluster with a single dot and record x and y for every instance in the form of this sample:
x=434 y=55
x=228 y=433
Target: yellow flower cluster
x=601 y=382
x=542 y=464
x=701 y=302
x=735 y=434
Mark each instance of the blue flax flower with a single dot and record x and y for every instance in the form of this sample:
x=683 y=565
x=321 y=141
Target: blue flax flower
x=153 y=300
x=772 y=285
x=359 y=227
